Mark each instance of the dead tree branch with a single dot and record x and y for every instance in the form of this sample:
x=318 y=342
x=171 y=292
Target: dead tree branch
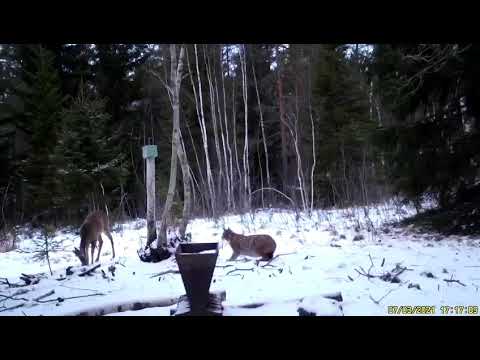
x=223 y=266
x=12 y=307
x=51 y=292
x=454 y=281
x=12 y=298
x=90 y=270
x=232 y=271
x=275 y=257
x=60 y=299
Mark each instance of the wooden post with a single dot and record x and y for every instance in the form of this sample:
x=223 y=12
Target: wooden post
x=149 y=154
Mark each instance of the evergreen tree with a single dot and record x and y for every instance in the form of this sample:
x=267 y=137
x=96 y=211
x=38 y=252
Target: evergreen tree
x=430 y=140
x=86 y=156
x=42 y=108
x=344 y=128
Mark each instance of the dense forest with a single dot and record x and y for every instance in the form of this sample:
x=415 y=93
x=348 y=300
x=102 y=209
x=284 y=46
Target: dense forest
x=238 y=127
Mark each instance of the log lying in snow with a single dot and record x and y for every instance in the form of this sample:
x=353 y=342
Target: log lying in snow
x=114 y=307
x=135 y=305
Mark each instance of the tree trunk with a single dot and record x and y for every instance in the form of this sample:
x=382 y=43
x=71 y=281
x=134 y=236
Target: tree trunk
x=246 y=166
x=265 y=149
x=213 y=112
x=187 y=189
x=222 y=133
x=237 y=162
x=283 y=132
x=174 y=91
x=211 y=187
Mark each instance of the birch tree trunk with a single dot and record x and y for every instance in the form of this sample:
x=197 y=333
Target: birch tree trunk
x=173 y=89
x=246 y=165
x=283 y=132
x=204 y=138
x=187 y=188
x=213 y=112
x=222 y=134
x=267 y=167
x=312 y=171
x=237 y=162
x=205 y=187
x=230 y=165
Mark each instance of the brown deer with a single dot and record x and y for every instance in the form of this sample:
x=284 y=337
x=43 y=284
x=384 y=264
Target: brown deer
x=94 y=225
x=252 y=245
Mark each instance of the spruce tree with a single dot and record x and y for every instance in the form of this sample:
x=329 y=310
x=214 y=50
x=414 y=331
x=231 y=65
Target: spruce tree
x=43 y=101
x=344 y=127
x=430 y=139
x=87 y=158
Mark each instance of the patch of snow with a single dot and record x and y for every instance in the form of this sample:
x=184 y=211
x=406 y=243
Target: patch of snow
x=321 y=306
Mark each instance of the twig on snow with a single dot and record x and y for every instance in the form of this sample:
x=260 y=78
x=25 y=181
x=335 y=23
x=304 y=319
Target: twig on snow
x=223 y=266
x=13 y=307
x=75 y=288
x=6 y=297
x=37 y=299
x=383 y=297
x=231 y=271
x=454 y=281
x=165 y=272
x=273 y=266
x=371 y=262
x=275 y=257
x=20 y=292
x=60 y=299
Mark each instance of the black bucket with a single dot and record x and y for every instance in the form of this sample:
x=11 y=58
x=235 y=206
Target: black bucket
x=196 y=262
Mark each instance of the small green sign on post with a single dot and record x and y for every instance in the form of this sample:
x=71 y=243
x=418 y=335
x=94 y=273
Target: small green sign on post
x=149 y=153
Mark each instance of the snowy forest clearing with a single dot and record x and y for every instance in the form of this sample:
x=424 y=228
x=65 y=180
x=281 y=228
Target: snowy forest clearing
x=327 y=253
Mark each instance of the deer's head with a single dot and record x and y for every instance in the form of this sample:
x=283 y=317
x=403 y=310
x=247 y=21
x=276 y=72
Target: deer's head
x=81 y=255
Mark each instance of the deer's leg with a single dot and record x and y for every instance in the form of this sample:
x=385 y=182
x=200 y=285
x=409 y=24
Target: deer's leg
x=111 y=240
x=100 y=244
x=92 y=244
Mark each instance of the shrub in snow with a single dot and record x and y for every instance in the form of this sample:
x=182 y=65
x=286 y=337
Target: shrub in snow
x=358 y=237
x=46 y=244
x=153 y=255
x=7 y=241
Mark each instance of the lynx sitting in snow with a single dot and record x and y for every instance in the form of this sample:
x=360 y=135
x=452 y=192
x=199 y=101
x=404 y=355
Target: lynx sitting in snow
x=253 y=245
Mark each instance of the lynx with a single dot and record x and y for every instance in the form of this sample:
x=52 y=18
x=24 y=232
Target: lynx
x=253 y=245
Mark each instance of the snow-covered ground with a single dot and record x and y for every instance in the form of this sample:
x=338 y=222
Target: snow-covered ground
x=325 y=253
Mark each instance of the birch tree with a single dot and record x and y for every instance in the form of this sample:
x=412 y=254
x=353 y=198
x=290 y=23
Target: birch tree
x=178 y=153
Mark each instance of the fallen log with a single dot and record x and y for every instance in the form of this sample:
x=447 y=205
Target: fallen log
x=337 y=296
x=131 y=305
